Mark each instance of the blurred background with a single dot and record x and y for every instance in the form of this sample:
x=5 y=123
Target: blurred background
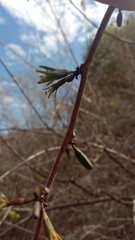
x=84 y=205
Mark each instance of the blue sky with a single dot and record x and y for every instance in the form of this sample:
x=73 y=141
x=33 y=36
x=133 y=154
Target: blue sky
x=29 y=29
x=30 y=36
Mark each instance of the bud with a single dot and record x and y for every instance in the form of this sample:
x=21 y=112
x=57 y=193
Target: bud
x=119 y=19
x=82 y=158
x=36 y=210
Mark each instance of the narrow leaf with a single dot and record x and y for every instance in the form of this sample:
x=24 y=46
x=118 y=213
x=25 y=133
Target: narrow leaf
x=49 y=229
x=47 y=68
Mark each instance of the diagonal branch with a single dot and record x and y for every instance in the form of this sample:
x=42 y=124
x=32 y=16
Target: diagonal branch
x=106 y=32
x=84 y=70
x=63 y=33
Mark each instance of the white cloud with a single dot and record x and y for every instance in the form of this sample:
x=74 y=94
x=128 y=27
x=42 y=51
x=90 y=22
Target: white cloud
x=8 y=100
x=28 y=38
x=4 y=99
x=39 y=16
x=4 y=84
x=2 y=20
x=39 y=29
x=17 y=49
x=14 y=49
x=29 y=13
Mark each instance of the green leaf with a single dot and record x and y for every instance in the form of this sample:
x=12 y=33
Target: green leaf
x=50 y=232
x=52 y=74
x=47 y=68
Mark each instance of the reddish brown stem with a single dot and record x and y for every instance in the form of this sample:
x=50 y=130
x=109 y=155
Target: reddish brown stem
x=38 y=228
x=85 y=67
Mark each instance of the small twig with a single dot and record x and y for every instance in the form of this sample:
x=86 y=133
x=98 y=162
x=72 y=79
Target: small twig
x=23 y=92
x=5 y=215
x=126 y=169
x=19 y=201
x=82 y=188
x=81 y=110
x=12 y=227
x=22 y=228
x=27 y=178
x=38 y=228
x=17 y=54
x=93 y=201
x=106 y=32
x=63 y=33
x=84 y=70
x=110 y=150
x=23 y=160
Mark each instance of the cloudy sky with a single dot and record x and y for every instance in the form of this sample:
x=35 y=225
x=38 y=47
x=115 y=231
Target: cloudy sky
x=43 y=32
x=37 y=30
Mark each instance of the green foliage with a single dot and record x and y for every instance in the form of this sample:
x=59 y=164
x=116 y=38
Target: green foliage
x=111 y=81
x=52 y=74
x=13 y=215
x=112 y=61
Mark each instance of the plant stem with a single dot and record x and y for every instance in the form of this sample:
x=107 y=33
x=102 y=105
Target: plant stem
x=38 y=228
x=84 y=70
